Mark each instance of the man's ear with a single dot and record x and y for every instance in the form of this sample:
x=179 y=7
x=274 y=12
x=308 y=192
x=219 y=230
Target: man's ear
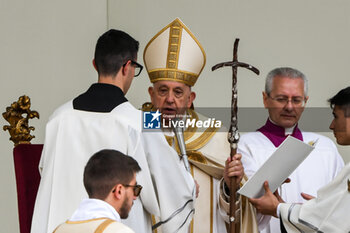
x=94 y=64
x=265 y=97
x=151 y=92
x=118 y=191
x=125 y=68
x=192 y=97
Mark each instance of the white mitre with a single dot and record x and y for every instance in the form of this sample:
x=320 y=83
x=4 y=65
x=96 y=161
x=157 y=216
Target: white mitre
x=174 y=54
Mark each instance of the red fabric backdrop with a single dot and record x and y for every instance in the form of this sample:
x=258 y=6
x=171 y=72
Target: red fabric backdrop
x=26 y=160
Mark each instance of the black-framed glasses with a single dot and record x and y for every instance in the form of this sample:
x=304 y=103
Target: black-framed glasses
x=136 y=188
x=138 y=67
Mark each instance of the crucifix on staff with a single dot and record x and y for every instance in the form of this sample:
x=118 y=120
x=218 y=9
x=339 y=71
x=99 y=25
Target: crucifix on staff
x=233 y=135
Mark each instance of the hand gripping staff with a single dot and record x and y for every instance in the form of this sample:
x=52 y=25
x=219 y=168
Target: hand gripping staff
x=233 y=135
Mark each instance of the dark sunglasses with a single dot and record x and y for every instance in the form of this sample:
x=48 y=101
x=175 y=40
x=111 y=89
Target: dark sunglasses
x=136 y=188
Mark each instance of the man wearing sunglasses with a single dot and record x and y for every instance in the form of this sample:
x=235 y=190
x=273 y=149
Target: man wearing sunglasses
x=285 y=97
x=103 y=118
x=110 y=181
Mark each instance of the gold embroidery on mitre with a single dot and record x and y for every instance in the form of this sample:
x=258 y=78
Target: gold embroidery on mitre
x=187 y=78
x=175 y=32
x=171 y=72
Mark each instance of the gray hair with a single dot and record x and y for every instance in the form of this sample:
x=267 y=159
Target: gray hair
x=284 y=72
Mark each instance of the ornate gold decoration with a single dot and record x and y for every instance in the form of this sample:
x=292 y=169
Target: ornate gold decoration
x=147 y=107
x=201 y=140
x=170 y=140
x=174 y=45
x=18 y=115
x=170 y=70
x=197 y=156
x=173 y=75
x=195 y=144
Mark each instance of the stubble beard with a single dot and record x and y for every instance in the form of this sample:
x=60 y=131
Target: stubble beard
x=124 y=209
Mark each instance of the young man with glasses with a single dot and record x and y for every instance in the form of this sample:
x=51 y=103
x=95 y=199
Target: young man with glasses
x=103 y=118
x=285 y=97
x=110 y=181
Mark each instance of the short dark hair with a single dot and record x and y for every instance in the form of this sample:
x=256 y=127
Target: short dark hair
x=342 y=99
x=113 y=49
x=107 y=168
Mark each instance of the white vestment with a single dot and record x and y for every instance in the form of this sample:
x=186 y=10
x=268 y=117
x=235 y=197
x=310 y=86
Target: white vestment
x=94 y=216
x=99 y=225
x=73 y=136
x=329 y=212
x=317 y=170
x=208 y=150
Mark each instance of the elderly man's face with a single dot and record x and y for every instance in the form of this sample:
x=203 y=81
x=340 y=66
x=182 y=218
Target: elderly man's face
x=286 y=101
x=340 y=126
x=171 y=97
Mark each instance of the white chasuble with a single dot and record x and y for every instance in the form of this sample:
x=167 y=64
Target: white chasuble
x=208 y=150
x=174 y=185
x=72 y=137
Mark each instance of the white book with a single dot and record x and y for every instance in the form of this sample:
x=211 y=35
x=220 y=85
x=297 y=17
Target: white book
x=278 y=167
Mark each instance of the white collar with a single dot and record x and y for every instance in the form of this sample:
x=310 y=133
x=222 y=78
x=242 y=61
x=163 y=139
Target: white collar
x=94 y=208
x=287 y=131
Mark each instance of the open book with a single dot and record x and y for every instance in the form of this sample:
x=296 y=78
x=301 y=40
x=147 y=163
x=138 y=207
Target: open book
x=277 y=167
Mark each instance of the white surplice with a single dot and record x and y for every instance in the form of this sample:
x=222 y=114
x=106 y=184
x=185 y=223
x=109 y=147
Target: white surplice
x=317 y=170
x=91 y=215
x=329 y=212
x=73 y=136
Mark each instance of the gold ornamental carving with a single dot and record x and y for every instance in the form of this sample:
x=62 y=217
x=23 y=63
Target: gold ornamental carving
x=18 y=115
